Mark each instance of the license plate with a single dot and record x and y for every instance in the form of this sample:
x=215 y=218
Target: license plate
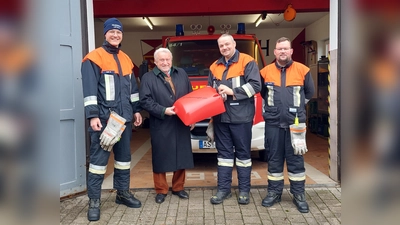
x=206 y=144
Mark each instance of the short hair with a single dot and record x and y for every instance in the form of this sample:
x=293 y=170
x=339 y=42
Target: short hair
x=227 y=35
x=165 y=50
x=282 y=39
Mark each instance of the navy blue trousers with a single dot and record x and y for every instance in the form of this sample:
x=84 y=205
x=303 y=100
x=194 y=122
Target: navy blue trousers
x=280 y=149
x=99 y=158
x=233 y=142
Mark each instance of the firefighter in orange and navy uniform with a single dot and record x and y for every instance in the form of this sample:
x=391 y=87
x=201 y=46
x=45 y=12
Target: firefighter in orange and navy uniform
x=110 y=85
x=288 y=86
x=236 y=77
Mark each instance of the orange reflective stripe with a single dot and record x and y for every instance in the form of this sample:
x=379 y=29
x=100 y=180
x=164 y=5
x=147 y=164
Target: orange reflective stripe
x=117 y=119
x=297 y=130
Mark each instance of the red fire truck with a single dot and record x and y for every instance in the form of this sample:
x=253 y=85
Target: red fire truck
x=195 y=53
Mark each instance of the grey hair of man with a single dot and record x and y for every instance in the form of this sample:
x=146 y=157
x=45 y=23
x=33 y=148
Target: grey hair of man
x=165 y=50
x=227 y=35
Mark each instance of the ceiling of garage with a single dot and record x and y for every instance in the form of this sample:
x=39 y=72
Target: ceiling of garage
x=166 y=24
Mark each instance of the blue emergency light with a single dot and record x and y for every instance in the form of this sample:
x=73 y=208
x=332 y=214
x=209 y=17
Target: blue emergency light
x=179 y=30
x=241 y=28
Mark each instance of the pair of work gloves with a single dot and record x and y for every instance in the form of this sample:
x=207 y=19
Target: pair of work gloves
x=298 y=137
x=113 y=131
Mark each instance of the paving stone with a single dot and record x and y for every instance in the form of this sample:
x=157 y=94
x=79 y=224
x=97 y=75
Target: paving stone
x=320 y=218
x=296 y=219
x=159 y=222
x=195 y=212
x=65 y=222
x=333 y=221
x=234 y=222
x=209 y=216
x=172 y=212
x=170 y=220
x=114 y=220
x=126 y=222
x=180 y=222
x=280 y=220
x=277 y=213
x=264 y=216
x=209 y=222
x=219 y=212
x=325 y=208
x=327 y=213
x=311 y=221
x=181 y=217
x=233 y=216
x=195 y=220
x=266 y=222
x=129 y=217
x=251 y=220
x=220 y=219
x=234 y=209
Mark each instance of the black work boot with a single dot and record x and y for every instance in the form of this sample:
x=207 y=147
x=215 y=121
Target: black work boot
x=94 y=210
x=271 y=199
x=126 y=197
x=244 y=198
x=219 y=197
x=300 y=201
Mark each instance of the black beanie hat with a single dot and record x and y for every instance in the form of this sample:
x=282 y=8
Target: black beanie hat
x=112 y=23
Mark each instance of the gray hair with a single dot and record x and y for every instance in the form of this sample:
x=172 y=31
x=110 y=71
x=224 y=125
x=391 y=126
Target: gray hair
x=227 y=35
x=165 y=50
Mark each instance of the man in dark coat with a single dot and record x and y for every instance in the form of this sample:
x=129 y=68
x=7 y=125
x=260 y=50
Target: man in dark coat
x=170 y=137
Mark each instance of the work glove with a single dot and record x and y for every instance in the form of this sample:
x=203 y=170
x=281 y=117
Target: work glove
x=298 y=138
x=210 y=132
x=114 y=140
x=114 y=125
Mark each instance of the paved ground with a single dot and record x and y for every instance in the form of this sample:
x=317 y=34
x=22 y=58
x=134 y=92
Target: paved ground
x=325 y=208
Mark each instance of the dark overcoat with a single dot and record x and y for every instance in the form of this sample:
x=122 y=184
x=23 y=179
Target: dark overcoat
x=170 y=137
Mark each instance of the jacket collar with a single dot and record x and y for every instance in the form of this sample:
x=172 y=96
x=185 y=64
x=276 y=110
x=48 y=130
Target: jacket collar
x=286 y=66
x=158 y=72
x=234 y=58
x=110 y=48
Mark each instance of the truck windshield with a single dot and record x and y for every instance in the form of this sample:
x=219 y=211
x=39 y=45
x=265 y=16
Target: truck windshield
x=196 y=56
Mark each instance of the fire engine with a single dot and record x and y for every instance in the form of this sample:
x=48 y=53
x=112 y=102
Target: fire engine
x=195 y=54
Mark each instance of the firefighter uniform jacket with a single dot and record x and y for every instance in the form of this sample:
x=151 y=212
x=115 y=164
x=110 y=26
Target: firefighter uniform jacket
x=109 y=84
x=242 y=75
x=285 y=91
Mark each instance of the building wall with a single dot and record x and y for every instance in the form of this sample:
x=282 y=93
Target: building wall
x=319 y=32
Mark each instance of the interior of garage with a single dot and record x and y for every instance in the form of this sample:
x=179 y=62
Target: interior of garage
x=309 y=30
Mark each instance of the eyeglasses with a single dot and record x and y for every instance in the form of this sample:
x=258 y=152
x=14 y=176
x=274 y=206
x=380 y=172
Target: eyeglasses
x=115 y=32
x=282 y=49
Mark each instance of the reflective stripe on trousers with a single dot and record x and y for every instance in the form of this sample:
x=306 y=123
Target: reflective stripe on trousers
x=99 y=159
x=280 y=149
x=226 y=136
